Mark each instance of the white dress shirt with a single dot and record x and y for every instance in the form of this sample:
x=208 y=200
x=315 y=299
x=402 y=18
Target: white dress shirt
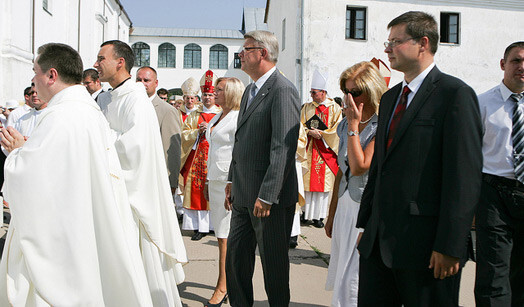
x=496 y=110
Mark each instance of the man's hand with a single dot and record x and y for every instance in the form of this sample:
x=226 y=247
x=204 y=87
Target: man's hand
x=317 y=134
x=11 y=139
x=202 y=127
x=227 y=202
x=328 y=226
x=261 y=209
x=443 y=265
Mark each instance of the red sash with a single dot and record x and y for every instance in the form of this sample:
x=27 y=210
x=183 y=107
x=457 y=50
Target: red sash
x=321 y=156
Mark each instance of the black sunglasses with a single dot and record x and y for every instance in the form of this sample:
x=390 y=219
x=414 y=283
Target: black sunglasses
x=354 y=93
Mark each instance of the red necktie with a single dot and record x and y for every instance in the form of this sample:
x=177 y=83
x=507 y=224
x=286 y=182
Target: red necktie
x=397 y=116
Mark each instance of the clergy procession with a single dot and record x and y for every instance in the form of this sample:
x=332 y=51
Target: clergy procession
x=397 y=176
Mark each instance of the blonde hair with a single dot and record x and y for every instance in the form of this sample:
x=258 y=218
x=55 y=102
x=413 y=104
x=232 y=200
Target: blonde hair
x=233 y=91
x=368 y=79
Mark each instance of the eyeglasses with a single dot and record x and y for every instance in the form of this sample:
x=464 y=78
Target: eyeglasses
x=354 y=93
x=392 y=44
x=246 y=49
x=313 y=92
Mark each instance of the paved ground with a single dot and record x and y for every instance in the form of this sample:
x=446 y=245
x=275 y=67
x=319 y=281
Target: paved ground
x=309 y=263
x=307 y=276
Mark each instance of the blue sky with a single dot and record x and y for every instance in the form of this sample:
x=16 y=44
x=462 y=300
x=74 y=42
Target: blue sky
x=200 y=14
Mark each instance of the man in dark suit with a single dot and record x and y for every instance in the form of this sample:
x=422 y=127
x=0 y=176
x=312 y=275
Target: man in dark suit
x=170 y=122
x=263 y=189
x=424 y=180
x=91 y=81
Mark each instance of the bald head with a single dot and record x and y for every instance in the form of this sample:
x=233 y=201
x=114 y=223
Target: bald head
x=147 y=75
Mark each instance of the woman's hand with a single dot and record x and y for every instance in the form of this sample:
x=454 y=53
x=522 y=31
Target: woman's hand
x=352 y=111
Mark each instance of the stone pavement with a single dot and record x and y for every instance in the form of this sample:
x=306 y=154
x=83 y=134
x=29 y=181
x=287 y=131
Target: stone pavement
x=309 y=263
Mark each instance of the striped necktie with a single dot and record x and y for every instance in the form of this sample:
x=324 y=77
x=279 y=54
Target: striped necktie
x=252 y=94
x=397 y=115
x=517 y=136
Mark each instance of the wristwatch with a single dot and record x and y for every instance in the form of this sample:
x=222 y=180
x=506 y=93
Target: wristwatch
x=352 y=133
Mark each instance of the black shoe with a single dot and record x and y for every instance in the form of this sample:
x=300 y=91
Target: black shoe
x=223 y=301
x=197 y=236
x=318 y=223
x=293 y=242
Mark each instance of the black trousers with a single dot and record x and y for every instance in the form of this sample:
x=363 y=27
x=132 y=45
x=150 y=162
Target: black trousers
x=271 y=234
x=382 y=286
x=500 y=243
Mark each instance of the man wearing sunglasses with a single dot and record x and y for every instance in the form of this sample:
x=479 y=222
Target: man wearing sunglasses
x=424 y=180
x=321 y=147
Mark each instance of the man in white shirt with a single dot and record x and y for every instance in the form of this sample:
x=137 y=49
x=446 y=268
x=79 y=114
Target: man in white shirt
x=71 y=240
x=27 y=122
x=14 y=115
x=91 y=81
x=500 y=214
x=139 y=147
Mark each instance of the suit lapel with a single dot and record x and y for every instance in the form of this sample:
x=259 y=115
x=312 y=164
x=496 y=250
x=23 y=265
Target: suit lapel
x=422 y=95
x=261 y=95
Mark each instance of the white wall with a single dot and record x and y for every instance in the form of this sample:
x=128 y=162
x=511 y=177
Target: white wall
x=485 y=32
x=73 y=22
x=174 y=77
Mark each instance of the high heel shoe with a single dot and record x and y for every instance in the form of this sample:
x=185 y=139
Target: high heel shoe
x=223 y=301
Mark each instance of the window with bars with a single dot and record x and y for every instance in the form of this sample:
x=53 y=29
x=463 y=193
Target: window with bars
x=449 y=28
x=218 y=57
x=192 y=56
x=166 y=55
x=356 y=23
x=236 y=62
x=141 y=51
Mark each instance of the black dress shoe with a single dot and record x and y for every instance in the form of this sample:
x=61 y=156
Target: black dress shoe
x=318 y=223
x=198 y=235
x=223 y=301
x=293 y=242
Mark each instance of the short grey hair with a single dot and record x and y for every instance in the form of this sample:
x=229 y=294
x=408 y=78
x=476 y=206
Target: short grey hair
x=267 y=40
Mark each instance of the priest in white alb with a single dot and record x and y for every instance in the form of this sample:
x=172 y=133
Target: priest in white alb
x=138 y=143
x=72 y=239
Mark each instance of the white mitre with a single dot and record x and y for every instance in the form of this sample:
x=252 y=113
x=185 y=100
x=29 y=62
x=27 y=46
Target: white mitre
x=319 y=81
x=190 y=87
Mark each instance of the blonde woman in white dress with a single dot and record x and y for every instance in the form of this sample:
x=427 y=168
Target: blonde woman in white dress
x=363 y=85
x=221 y=137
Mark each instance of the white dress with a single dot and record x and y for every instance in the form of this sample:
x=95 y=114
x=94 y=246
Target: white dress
x=221 y=139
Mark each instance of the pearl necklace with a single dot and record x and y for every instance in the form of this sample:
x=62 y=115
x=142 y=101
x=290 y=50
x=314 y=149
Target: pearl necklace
x=367 y=120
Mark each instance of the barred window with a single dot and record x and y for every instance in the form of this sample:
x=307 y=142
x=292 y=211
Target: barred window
x=356 y=23
x=141 y=51
x=192 y=56
x=449 y=28
x=218 y=57
x=166 y=55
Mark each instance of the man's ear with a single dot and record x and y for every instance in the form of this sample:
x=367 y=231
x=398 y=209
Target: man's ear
x=121 y=63
x=502 y=64
x=424 y=44
x=52 y=74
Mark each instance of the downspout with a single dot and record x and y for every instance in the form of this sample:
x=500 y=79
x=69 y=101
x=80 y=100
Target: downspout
x=301 y=22
x=79 y=6
x=33 y=30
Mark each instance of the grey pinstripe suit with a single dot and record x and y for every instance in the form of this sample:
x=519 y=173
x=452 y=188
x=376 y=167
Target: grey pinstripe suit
x=263 y=166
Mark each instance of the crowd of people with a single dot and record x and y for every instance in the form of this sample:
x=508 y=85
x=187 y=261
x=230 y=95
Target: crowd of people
x=397 y=177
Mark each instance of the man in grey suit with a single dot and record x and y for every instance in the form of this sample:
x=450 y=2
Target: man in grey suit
x=170 y=122
x=263 y=186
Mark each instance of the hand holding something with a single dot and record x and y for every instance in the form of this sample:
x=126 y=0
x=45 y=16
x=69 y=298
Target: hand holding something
x=227 y=202
x=261 y=209
x=202 y=127
x=443 y=265
x=317 y=134
x=11 y=139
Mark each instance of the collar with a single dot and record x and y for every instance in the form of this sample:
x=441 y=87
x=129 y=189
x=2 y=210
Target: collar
x=505 y=91
x=415 y=84
x=212 y=110
x=121 y=83
x=260 y=82
x=95 y=94
x=152 y=97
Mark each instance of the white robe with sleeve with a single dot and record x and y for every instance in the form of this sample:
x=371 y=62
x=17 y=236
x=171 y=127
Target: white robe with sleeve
x=72 y=240
x=138 y=143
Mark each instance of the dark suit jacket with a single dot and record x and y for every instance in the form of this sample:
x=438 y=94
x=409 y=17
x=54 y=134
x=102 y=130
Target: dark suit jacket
x=263 y=162
x=422 y=192
x=170 y=122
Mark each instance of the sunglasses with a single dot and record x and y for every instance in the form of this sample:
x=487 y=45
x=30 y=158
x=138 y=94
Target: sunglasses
x=354 y=93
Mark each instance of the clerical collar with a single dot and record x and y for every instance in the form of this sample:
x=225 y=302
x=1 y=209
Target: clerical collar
x=206 y=110
x=121 y=83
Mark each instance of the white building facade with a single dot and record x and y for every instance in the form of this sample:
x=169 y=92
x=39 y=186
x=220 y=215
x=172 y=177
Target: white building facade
x=332 y=35
x=25 y=25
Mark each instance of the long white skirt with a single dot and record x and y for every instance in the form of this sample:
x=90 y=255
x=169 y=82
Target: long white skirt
x=196 y=220
x=220 y=217
x=316 y=205
x=343 y=266
x=163 y=273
